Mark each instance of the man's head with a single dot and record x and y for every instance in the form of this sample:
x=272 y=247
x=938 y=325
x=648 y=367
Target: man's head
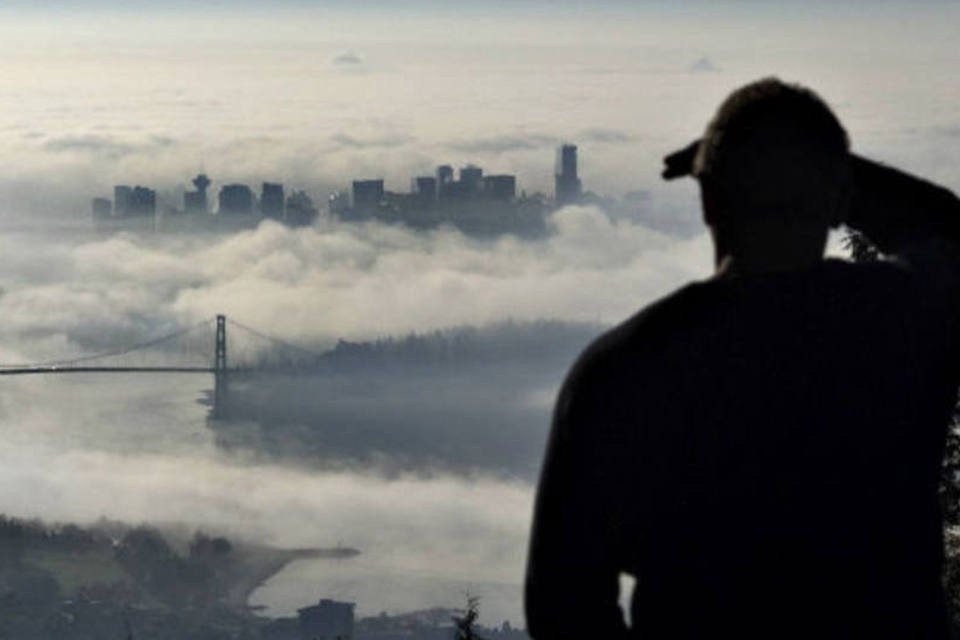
x=773 y=167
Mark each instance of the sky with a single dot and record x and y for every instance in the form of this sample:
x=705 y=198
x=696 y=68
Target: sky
x=315 y=94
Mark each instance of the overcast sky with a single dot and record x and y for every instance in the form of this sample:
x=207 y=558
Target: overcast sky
x=315 y=94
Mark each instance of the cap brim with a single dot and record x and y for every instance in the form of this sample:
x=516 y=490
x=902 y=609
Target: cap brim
x=679 y=164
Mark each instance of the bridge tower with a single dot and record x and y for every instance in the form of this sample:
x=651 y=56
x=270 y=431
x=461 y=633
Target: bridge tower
x=220 y=367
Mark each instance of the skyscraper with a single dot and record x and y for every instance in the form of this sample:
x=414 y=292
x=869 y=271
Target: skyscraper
x=121 y=200
x=271 y=200
x=567 y=182
x=367 y=195
x=236 y=199
x=142 y=201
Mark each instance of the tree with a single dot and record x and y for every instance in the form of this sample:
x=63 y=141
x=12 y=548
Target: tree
x=464 y=624
x=861 y=250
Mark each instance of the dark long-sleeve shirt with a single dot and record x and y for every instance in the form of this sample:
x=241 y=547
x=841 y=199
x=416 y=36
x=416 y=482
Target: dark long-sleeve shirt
x=762 y=452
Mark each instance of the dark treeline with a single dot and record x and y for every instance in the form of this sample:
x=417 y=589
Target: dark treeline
x=96 y=581
x=508 y=340
x=465 y=401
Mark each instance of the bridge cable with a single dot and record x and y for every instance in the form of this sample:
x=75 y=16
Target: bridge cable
x=109 y=354
x=280 y=341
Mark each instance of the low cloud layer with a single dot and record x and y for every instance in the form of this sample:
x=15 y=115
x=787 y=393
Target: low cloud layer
x=317 y=285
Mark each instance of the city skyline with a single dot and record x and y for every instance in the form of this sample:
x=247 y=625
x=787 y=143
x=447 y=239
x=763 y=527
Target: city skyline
x=488 y=204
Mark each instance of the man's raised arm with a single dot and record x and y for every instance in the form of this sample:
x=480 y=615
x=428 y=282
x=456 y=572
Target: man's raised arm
x=899 y=212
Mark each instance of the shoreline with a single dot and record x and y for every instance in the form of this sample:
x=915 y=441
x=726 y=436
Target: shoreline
x=262 y=563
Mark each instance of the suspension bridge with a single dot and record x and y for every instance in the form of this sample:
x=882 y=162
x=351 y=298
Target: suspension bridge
x=99 y=363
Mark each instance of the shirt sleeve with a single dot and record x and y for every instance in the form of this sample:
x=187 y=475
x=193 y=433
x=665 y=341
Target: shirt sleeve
x=572 y=583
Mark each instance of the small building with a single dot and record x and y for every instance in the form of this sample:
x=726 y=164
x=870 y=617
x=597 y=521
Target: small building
x=327 y=620
x=236 y=199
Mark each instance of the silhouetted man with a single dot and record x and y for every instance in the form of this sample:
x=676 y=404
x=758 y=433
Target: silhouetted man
x=761 y=450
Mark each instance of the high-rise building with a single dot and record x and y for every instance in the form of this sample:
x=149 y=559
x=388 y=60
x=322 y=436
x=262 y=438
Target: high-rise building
x=300 y=210
x=121 y=200
x=568 y=186
x=271 y=200
x=425 y=187
x=338 y=204
x=196 y=201
x=142 y=202
x=445 y=182
x=367 y=194
x=501 y=187
x=236 y=199
x=471 y=177
x=444 y=175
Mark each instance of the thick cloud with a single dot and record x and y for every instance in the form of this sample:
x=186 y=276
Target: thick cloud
x=334 y=281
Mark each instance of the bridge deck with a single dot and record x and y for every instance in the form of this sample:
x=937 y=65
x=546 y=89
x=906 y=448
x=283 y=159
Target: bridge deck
x=47 y=370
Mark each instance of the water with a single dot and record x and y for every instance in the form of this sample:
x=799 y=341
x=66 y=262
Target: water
x=138 y=448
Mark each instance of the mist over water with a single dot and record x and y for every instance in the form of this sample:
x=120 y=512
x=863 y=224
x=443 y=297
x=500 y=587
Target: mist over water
x=78 y=448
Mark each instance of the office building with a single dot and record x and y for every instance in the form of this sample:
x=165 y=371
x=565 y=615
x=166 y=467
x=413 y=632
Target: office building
x=444 y=175
x=425 y=188
x=367 y=194
x=300 y=210
x=471 y=177
x=236 y=199
x=271 y=200
x=567 y=188
x=121 y=200
x=500 y=187
x=142 y=202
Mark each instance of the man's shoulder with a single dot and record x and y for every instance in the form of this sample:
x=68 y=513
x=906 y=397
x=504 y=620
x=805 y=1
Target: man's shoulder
x=670 y=327
x=642 y=337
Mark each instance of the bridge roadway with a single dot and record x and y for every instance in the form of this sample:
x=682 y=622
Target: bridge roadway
x=64 y=370
x=219 y=367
